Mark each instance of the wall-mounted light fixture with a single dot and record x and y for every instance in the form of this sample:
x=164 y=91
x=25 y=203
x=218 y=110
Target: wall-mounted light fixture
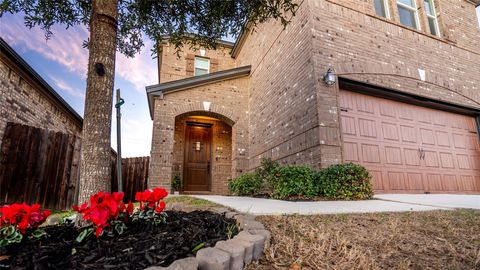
x=330 y=78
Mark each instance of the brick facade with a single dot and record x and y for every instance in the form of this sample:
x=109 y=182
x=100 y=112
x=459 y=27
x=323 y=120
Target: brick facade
x=293 y=117
x=23 y=100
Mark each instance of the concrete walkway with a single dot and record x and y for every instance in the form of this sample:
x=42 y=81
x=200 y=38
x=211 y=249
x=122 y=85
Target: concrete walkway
x=435 y=200
x=257 y=206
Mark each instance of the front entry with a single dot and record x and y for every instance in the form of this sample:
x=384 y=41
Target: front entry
x=198 y=141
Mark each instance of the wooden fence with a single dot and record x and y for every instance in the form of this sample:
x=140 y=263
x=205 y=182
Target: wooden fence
x=42 y=166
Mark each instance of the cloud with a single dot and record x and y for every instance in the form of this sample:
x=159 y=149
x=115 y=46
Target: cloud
x=136 y=136
x=67 y=88
x=139 y=71
x=64 y=47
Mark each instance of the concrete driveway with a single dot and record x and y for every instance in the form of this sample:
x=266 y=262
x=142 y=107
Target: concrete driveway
x=435 y=200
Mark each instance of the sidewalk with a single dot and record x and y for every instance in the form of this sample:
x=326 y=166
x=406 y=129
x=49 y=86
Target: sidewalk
x=258 y=206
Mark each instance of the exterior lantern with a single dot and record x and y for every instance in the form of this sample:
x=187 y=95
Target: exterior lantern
x=330 y=78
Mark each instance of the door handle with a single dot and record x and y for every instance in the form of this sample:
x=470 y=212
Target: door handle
x=421 y=153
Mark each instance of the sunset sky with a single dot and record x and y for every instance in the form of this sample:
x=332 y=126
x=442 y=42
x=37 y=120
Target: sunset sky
x=62 y=62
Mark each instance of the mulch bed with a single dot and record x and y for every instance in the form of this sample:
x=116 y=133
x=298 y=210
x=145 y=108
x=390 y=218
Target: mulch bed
x=141 y=246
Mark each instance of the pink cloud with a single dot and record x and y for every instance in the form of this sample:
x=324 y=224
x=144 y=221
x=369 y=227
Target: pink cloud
x=67 y=88
x=64 y=47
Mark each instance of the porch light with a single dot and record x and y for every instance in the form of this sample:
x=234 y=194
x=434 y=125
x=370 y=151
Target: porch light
x=330 y=78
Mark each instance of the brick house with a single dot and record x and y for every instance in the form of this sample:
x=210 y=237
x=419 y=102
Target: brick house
x=26 y=98
x=405 y=104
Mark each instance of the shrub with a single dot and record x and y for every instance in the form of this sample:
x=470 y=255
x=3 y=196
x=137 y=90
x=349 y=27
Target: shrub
x=176 y=183
x=266 y=174
x=345 y=181
x=294 y=180
x=245 y=184
x=18 y=220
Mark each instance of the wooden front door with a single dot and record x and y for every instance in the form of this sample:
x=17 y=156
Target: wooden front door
x=198 y=141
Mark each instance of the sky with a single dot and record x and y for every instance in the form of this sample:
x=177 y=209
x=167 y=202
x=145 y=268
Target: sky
x=62 y=62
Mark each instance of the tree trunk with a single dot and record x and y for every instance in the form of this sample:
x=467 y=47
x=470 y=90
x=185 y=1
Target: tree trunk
x=95 y=168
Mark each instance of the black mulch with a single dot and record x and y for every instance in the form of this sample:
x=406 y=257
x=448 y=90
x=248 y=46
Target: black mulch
x=143 y=245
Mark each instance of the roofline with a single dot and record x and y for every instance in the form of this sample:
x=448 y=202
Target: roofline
x=18 y=60
x=187 y=83
x=218 y=41
x=475 y=2
x=241 y=40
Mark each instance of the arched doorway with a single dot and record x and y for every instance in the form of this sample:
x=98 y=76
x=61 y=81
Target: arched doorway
x=202 y=152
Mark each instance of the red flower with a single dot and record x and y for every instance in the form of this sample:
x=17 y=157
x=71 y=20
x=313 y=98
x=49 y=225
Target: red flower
x=130 y=208
x=22 y=216
x=104 y=208
x=152 y=199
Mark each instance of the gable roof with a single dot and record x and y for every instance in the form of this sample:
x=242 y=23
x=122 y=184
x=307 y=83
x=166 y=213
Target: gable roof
x=187 y=83
x=33 y=75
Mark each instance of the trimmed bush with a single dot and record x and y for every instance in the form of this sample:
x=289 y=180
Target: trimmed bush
x=345 y=181
x=266 y=174
x=245 y=184
x=294 y=180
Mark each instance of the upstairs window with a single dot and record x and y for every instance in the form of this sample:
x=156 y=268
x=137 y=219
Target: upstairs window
x=431 y=17
x=381 y=8
x=407 y=11
x=202 y=66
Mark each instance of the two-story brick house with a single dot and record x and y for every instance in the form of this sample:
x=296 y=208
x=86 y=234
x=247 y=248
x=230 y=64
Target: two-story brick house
x=405 y=103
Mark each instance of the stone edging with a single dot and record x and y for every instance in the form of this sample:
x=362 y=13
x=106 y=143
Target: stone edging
x=233 y=254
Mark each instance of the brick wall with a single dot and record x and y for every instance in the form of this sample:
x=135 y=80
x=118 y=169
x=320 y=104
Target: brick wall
x=362 y=46
x=283 y=116
x=24 y=101
x=228 y=103
x=175 y=67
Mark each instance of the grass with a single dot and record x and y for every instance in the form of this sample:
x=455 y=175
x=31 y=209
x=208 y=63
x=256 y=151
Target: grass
x=414 y=240
x=189 y=201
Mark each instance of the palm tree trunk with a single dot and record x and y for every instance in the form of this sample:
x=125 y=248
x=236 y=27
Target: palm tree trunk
x=95 y=168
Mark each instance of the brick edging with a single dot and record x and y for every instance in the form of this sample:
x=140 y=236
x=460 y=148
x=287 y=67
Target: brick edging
x=233 y=254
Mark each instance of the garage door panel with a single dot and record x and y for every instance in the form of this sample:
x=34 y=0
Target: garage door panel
x=348 y=125
x=408 y=148
x=409 y=134
x=351 y=151
x=377 y=180
x=434 y=182
x=412 y=157
x=450 y=182
x=443 y=138
x=390 y=131
x=396 y=181
x=415 y=181
x=367 y=128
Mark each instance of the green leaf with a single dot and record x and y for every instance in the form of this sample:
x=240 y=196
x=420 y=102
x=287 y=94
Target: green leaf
x=84 y=234
x=38 y=233
x=198 y=247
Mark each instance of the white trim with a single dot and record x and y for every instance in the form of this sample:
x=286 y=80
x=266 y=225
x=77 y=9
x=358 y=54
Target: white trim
x=414 y=9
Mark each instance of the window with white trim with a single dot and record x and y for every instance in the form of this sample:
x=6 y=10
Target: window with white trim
x=381 y=8
x=407 y=11
x=202 y=66
x=431 y=17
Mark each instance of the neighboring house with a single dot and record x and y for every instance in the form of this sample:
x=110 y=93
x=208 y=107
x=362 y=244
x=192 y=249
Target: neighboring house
x=26 y=98
x=406 y=103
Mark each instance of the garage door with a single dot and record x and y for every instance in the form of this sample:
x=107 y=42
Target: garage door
x=408 y=148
